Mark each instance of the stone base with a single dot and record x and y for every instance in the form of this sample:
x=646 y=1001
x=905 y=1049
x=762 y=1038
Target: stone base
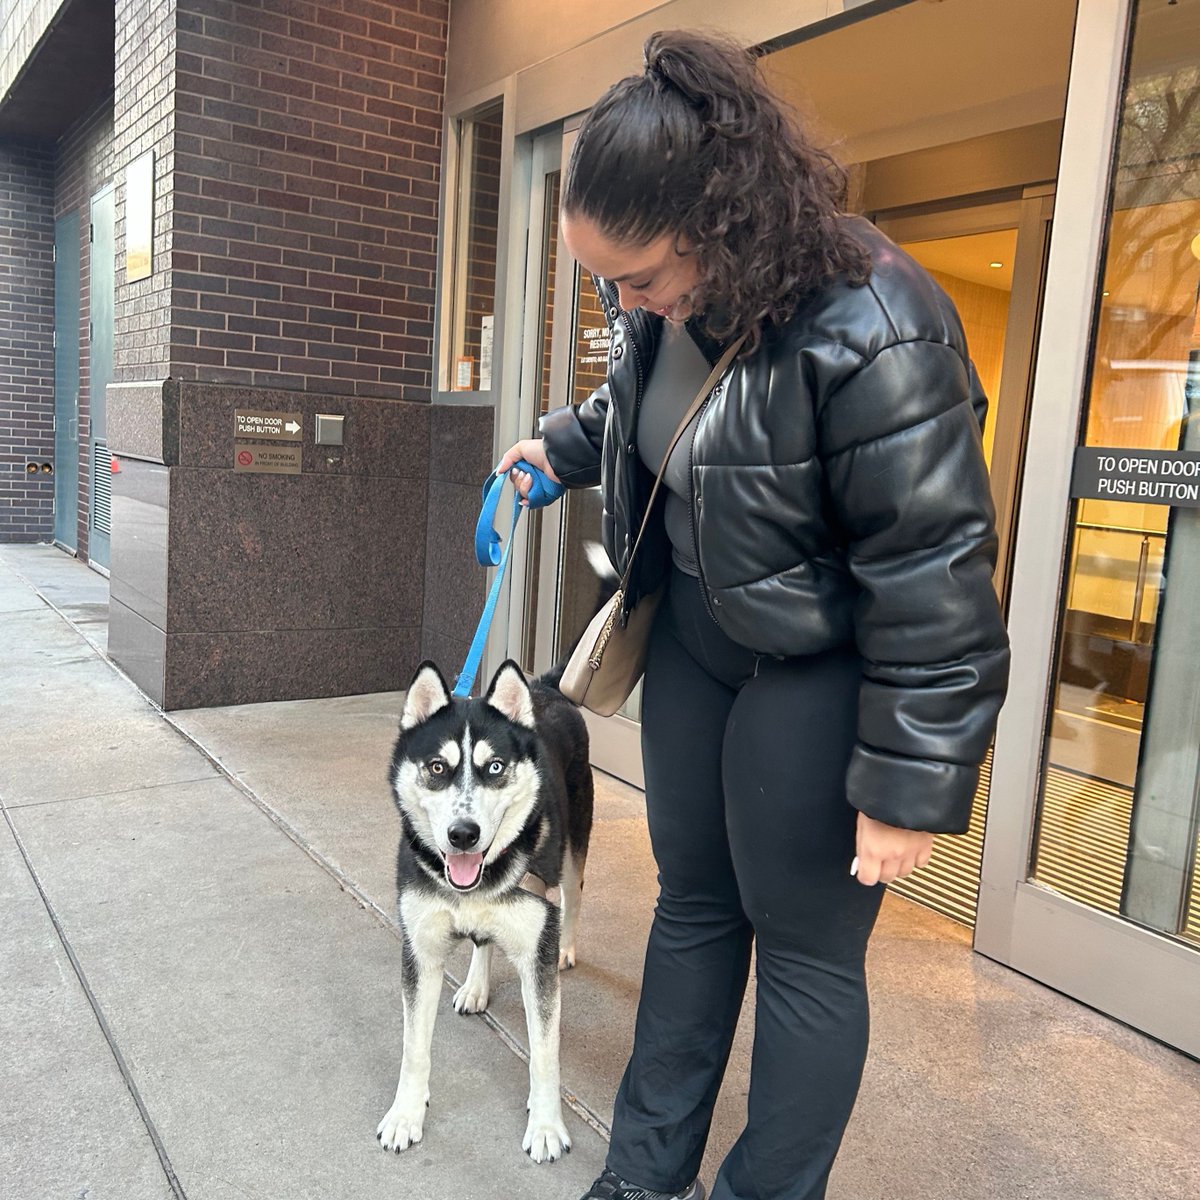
x=235 y=587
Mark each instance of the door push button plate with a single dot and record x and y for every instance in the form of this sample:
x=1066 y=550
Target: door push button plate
x=329 y=429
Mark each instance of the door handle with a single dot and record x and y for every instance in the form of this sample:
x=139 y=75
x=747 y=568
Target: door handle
x=73 y=429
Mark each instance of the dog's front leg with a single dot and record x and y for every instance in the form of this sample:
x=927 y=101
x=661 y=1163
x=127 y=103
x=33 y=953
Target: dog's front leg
x=536 y=960
x=473 y=996
x=423 y=962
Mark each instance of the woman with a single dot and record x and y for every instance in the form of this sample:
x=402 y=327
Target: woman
x=826 y=668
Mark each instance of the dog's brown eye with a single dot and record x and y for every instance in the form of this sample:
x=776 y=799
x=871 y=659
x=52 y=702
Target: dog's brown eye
x=437 y=767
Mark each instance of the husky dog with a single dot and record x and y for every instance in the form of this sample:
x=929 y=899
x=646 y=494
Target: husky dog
x=489 y=790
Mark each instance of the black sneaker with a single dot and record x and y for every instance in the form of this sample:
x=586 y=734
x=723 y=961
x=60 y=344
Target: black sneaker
x=610 y=1186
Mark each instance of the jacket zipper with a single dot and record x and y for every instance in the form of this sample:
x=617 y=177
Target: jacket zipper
x=637 y=408
x=692 y=509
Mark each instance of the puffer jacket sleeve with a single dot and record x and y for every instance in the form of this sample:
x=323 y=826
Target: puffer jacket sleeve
x=901 y=446
x=573 y=438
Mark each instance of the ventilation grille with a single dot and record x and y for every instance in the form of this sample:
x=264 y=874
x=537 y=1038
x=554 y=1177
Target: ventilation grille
x=1084 y=833
x=1082 y=843
x=1083 y=838
x=1191 y=926
x=101 y=488
x=950 y=883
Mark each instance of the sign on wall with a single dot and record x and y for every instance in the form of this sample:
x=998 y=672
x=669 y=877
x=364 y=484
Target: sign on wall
x=272 y=460
x=139 y=217
x=255 y=423
x=1138 y=476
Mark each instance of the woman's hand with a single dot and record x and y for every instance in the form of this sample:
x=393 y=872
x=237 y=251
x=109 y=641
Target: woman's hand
x=886 y=853
x=532 y=451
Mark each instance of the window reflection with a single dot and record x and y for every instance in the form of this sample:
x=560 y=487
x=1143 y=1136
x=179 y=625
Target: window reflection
x=474 y=261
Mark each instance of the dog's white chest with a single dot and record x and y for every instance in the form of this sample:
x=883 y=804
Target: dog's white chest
x=510 y=923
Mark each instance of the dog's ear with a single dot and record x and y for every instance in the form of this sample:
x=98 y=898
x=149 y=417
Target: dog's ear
x=510 y=694
x=427 y=694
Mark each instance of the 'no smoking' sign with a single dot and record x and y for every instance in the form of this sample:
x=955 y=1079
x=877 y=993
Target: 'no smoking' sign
x=273 y=460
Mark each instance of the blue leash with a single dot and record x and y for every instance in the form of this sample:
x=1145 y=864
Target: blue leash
x=487 y=552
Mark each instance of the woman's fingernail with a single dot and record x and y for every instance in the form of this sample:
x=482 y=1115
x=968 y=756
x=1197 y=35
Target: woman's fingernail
x=854 y=866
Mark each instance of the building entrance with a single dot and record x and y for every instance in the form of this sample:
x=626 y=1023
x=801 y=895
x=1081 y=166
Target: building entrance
x=998 y=118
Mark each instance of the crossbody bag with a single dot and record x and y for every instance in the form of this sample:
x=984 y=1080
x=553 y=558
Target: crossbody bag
x=610 y=657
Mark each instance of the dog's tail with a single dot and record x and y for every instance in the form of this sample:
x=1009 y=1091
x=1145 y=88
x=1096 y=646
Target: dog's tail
x=553 y=677
x=607 y=580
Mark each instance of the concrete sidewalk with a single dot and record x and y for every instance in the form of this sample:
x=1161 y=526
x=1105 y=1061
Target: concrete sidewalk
x=200 y=979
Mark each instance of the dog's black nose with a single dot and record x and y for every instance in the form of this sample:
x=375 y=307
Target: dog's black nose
x=463 y=835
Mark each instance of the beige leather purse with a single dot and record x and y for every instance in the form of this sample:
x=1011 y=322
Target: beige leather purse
x=609 y=659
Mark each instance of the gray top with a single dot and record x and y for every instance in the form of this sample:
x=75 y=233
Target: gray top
x=676 y=375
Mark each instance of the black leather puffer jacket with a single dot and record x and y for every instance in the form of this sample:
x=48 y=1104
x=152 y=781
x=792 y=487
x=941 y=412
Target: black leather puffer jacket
x=839 y=494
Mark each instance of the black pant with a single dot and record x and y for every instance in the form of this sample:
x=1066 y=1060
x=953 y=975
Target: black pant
x=745 y=761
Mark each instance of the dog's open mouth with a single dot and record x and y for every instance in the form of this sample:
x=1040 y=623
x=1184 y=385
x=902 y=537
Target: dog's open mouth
x=464 y=870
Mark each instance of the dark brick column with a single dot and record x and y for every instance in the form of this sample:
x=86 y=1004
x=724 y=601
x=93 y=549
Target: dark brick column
x=26 y=341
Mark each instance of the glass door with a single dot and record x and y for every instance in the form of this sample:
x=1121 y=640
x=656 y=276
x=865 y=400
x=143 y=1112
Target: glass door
x=1094 y=889
x=565 y=358
x=990 y=260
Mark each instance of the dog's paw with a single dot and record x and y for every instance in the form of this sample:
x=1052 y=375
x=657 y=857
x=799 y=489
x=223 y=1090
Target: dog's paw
x=546 y=1140
x=566 y=958
x=471 y=997
x=403 y=1126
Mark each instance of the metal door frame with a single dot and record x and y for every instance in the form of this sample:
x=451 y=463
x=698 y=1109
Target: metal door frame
x=66 y=381
x=1059 y=941
x=99 y=540
x=616 y=740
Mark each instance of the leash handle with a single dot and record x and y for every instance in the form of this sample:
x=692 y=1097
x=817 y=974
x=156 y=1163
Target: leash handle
x=487 y=552
x=542 y=492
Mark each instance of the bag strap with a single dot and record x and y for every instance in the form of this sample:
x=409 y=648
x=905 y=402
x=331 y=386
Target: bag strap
x=705 y=388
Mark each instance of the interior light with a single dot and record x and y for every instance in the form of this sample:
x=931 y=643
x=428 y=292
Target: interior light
x=995 y=265
x=1196 y=246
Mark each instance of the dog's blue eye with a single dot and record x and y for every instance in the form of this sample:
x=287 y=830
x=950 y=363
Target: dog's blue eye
x=437 y=767
x=495 y=767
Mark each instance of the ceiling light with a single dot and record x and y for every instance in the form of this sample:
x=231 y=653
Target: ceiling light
x=995 y=264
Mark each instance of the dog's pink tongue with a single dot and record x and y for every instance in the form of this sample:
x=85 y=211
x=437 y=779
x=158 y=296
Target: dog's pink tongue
x=464 y=868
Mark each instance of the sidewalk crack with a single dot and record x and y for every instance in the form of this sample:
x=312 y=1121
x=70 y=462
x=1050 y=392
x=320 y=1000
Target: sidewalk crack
x=98 y=1013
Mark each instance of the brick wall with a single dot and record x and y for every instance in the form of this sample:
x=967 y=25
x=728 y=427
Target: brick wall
x=22 y=26
x=83 y=165
x=308 y=145
x=26 y=341
x=144 y=107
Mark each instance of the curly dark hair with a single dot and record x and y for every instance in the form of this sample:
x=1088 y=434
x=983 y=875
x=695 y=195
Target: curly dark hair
x=697 y=145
